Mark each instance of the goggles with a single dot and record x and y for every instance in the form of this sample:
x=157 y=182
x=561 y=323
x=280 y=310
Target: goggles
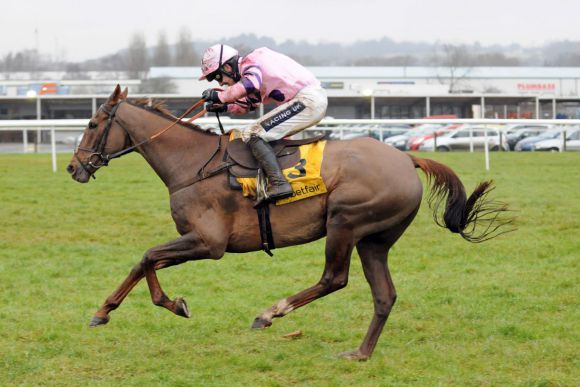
x=217 y=75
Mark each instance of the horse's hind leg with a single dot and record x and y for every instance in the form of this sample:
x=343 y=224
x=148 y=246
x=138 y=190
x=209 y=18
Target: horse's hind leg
x=339 y=245
x=373 y=256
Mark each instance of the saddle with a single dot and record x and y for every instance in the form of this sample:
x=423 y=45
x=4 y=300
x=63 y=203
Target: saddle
x=244 y=164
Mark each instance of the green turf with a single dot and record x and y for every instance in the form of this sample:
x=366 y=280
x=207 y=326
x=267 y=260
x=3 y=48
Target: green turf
x=504 y=312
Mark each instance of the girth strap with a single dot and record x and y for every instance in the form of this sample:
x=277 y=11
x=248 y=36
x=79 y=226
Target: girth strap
x=265 y=228
x=202 y=176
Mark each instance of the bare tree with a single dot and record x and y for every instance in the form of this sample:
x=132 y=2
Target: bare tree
x=137 y=58
x=162 y=54
x=457 y=63
x=184 y=53
x=25 y=60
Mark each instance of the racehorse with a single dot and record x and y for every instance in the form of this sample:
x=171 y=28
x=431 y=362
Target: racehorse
x=373 y=194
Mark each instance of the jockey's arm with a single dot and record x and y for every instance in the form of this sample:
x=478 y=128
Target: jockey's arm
x=250 y=83
x=237 y=108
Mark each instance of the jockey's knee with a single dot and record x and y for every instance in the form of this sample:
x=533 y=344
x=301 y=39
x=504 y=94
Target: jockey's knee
x=252 y=130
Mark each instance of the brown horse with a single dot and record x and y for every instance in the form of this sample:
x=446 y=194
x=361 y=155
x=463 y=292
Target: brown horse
x=373 y=195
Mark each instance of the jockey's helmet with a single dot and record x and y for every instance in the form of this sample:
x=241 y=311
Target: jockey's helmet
x=213 y=60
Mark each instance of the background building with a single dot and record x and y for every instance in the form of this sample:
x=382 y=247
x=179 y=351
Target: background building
x=354 y=92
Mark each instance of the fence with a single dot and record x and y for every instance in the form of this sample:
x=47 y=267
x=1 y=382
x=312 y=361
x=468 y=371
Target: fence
x=335 y=125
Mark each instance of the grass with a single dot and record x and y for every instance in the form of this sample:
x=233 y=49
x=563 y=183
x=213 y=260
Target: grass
x=504 y=312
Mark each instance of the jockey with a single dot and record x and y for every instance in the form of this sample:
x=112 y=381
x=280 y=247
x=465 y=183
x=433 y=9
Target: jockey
x=264 y=76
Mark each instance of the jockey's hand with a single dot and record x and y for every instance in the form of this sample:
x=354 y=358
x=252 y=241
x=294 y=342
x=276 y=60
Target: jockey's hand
x=216 y=107
x=210 y=95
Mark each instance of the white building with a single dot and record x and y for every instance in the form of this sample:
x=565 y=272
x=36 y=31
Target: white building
x=354 y=92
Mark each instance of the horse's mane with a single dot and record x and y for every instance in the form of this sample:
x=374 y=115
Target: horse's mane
x=160 y=108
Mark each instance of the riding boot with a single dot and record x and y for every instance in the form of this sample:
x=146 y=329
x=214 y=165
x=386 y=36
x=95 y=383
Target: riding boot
x=278 y=186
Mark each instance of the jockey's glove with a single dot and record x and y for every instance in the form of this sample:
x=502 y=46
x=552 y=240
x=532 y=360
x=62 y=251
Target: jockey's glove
x=210 y=95
x=216 y=107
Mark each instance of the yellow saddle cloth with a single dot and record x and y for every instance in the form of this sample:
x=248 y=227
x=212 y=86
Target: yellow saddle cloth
x=304 y=176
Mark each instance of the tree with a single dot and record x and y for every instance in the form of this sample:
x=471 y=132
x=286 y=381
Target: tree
x=457 y=63
x=162 y=54
x=496 y=59
x=184 y=53
x=74 y=71
x=137 y=58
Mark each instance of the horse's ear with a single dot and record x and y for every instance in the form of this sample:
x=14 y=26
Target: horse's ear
x=124 y=93
x=114 y=97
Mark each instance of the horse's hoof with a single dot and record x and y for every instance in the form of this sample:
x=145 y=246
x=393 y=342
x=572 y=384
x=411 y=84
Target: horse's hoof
x=96 y=321
x=260 y=323
x=181 y=308
x=354 y=355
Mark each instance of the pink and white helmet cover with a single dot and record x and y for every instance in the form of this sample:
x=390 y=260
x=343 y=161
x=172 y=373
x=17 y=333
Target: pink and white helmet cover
x=211 y=58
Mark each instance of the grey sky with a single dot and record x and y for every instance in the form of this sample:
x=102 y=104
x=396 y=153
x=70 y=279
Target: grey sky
x=78 y=30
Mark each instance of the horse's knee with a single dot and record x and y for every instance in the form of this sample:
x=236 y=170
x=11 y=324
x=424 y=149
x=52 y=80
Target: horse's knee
x=383 y=306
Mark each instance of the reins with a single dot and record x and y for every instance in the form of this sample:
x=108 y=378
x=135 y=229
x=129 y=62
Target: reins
x=153 y=137
x=104 y=159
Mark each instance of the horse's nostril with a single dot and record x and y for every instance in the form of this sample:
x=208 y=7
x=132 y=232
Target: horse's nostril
x=70 y=169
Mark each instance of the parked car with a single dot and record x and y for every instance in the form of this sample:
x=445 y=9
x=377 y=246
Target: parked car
x=347 y=132
x=400 y=141
x=461 y=139
x=389 y=130
x=415 y=142
x=555 y=144
x=526 y=144
x=522 y=131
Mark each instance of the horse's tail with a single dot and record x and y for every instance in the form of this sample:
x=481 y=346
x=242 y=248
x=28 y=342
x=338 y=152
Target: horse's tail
x=463 y=214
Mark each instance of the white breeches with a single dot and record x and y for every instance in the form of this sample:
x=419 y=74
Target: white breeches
x=306 y=109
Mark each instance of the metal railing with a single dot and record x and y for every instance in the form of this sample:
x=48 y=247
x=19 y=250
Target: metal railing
x=77 y=125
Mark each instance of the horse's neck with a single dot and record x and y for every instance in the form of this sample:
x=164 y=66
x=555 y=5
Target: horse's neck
x=177 y=154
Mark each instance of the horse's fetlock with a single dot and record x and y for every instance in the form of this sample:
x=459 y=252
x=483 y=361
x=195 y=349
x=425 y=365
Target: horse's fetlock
x=339 y=283
x=160 y=300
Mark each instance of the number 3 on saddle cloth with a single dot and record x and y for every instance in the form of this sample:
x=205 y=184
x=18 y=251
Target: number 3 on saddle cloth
x=300 y=161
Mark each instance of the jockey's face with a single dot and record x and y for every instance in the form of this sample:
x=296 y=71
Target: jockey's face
x=224 y=79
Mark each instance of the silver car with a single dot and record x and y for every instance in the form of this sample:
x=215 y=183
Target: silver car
x=466 y=137
x=555 y=144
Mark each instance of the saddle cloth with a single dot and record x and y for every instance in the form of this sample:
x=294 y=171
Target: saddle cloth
x=300 y=161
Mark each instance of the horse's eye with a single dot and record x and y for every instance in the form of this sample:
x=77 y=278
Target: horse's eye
x=92 y=125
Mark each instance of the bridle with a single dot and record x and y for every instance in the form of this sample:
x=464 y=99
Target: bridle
x=98 y=158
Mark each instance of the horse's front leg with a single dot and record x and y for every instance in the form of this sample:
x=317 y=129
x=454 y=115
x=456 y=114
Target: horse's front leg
x=185 y=248
x=114 y=300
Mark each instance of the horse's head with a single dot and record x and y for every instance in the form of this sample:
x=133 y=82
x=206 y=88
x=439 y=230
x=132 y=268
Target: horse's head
x=102 y=137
